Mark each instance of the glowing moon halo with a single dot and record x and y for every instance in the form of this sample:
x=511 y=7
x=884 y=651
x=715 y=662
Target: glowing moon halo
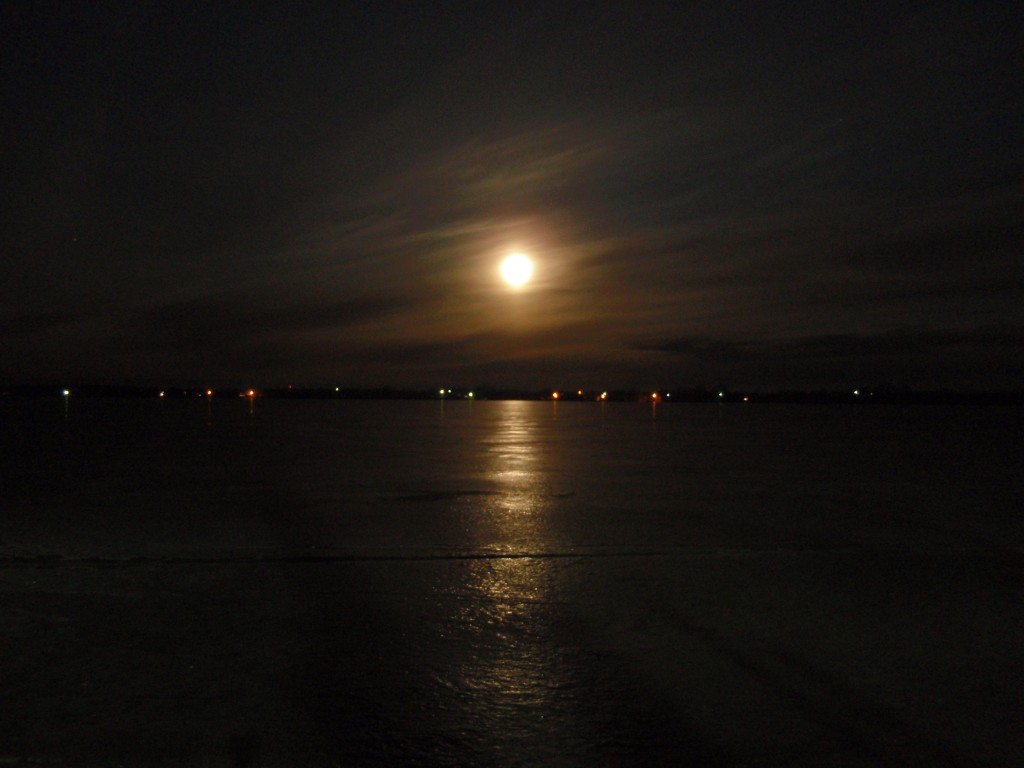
x=517 y=269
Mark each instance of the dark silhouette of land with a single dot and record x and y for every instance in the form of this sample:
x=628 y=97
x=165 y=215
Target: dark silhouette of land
x=666 y=395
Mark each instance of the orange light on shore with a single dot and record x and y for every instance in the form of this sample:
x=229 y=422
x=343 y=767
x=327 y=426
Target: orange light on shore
x=251 y=393
x=554 y=395
x=209 y=393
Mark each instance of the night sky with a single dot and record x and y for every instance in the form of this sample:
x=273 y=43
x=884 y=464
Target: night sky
x=756 y=195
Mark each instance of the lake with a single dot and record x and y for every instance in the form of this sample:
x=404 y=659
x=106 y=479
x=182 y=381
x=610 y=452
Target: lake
x=226 y=582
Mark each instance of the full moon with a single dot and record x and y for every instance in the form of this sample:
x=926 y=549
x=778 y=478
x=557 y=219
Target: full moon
x=517 y=270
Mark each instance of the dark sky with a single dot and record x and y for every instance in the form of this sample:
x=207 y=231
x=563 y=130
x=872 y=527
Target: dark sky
x=760 y=195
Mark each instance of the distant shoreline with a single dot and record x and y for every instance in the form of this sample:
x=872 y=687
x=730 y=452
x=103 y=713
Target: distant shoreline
x=667 y=396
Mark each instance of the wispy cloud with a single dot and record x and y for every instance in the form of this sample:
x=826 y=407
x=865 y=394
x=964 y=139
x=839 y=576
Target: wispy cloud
x=21 y=323
x=837 y=345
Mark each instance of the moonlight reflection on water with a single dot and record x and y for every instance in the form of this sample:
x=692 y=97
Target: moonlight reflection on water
x=496 y=583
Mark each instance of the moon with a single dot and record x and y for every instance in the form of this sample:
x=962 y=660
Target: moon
x=517 y=269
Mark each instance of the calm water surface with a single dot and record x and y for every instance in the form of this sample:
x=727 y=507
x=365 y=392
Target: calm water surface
x=510 y=583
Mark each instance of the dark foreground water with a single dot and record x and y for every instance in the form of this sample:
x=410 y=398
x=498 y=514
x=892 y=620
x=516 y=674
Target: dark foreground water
x=509 y=583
